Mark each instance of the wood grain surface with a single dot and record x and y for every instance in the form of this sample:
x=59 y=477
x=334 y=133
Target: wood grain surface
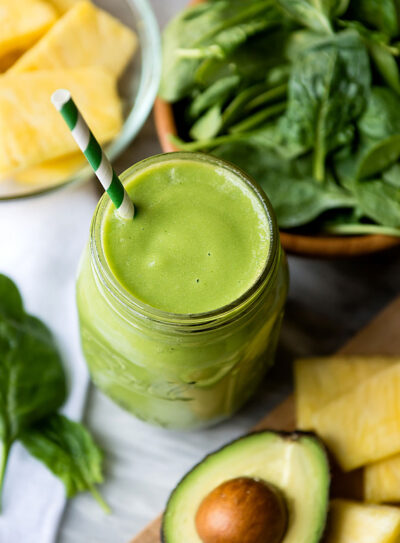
x=380 y=336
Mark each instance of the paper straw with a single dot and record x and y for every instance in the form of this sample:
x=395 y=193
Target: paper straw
x=63 y=102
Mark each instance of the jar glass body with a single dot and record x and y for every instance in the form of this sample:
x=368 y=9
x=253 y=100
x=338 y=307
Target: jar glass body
x=178 y=371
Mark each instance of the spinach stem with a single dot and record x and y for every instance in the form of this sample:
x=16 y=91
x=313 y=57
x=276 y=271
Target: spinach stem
x=4 y=450
x=359 y=229
x=98 y=497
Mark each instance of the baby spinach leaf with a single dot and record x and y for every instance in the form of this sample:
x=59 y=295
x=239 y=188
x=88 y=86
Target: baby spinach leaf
x=32 y=380
x=376 y=155
x=296 y=198
x=380 y=14
x=386 y=65
x=249 y=61
x=392 y=176
x=379 y=201
x=328 y=89
x=379 y=129
x=218 y=92
x=197 y=27
x=208 y=125
x=68 y=450
x=314 y=14
x=10 y=300
x=382 y=53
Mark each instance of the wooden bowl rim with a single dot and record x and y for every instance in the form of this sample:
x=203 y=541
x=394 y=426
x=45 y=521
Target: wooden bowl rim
x=312 y=246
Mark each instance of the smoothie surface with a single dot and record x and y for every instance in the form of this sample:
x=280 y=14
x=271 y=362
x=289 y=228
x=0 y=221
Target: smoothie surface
x=198 y=241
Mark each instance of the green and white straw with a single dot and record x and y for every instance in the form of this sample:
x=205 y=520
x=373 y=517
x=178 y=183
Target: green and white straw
x=63 y=102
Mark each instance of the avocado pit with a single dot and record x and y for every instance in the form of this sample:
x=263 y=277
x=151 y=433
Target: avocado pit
x=242 y=510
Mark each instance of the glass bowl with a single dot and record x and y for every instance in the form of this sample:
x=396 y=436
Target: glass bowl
x=137 y=87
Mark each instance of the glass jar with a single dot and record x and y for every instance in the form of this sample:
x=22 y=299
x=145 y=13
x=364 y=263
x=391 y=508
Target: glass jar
x=179 y=371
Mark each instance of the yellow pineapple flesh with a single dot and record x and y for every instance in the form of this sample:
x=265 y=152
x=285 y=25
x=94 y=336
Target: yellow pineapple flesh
x=351 y=522
x=321 y=380
x=363 y=426
x=22 y=22
x=32 y=131
x=382 y=481
x=53 y=171
x=63 y=5
x=84 y=36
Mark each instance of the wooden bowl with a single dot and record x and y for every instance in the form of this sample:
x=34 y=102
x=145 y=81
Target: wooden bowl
x=313 y=246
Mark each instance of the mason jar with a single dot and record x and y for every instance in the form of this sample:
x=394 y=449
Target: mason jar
x=179 y=371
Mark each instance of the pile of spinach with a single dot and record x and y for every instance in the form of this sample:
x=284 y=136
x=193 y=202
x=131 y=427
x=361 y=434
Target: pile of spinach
x=32 y=389
x=304 y=95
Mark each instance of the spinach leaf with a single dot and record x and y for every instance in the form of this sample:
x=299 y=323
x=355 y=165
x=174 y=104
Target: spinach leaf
x=314 y=14
x=386 y=65
x=379 y=129
x=376 y=155
x=32 y=380
x=68 y=450
x=249 y=61
x=32 y=388
x=382 y=53
x=382 y=115
x=197 y=28
x=328 y=89
x=10 y=300
x=297 y=198
x=218 y=92
x=392 y=176
x=380 y=14
x=208 y=125
x=379 y=201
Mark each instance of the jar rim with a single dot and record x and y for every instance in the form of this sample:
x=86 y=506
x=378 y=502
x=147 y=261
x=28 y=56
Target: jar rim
x=138 y=307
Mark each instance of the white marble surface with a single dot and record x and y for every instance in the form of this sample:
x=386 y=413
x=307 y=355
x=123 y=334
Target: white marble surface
x=328 y=302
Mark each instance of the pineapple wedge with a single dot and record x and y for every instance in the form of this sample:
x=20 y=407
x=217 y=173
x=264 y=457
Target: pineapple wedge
x=321 y=380
x=32 y=131
x=23 y=22
x=84 y=36
x=351 y=522
x=363 y=425
x=382 y=481
x=51 y=172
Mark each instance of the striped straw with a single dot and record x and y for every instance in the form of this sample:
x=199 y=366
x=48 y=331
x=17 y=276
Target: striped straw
x=95 y=155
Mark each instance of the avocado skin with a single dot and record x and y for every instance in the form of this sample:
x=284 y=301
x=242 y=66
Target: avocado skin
x=289 y=436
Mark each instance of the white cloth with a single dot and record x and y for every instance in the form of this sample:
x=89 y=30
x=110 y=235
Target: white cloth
x=41 y=240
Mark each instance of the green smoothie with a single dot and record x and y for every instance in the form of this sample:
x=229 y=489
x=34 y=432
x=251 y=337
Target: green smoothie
x=199 y=239
x=180 y=308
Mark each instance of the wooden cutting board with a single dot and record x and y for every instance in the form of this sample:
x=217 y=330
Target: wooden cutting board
x=381 y=336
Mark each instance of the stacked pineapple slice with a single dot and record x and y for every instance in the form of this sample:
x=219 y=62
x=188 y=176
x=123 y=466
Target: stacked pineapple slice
x=353 y=404
x=45 y=45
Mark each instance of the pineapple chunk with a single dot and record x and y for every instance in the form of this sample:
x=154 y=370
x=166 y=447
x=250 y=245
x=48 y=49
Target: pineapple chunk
x=363 y=426
x=53 y=171
x=351 y=522
x=382 y=481
x=84 y=36
x=32 y=131
x=321 y=380
x=23 y=22
x=63 y=5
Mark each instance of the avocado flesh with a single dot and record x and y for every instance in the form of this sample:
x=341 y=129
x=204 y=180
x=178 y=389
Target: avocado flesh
x=295 y=463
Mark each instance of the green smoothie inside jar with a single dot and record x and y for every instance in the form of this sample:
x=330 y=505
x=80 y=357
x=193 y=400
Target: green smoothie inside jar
x=180 y=308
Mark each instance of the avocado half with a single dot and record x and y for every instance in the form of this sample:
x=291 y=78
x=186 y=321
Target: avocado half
x=296 y=464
